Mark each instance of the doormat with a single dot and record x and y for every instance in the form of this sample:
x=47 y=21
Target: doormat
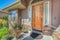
x=34 y=35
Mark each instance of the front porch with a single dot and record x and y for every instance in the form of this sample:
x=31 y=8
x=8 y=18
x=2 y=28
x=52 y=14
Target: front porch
x=33 y=19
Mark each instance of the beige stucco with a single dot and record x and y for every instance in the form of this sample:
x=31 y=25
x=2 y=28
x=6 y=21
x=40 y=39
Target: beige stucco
x=25 y=20
x=55 y=12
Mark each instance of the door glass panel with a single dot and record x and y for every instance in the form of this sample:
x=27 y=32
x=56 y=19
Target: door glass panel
x=46 y=11
x=30 y=14
x=30 y=17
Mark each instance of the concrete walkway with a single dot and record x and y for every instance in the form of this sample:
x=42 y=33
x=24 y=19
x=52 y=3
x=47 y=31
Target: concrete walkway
x=45 y=37
x=28 y=38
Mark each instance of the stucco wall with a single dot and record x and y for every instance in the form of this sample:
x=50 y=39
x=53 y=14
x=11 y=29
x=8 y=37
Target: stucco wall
x=25 y=19
x=55 y=12
x=24 y=14
x=25 y=2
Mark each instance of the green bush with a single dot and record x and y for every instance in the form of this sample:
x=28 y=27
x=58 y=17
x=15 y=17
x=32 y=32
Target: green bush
x=4 y=32
x=1 y=25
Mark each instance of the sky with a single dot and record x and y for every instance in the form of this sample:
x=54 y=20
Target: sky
x=5 y=3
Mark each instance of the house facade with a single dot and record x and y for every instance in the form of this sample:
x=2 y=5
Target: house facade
x=36 y=13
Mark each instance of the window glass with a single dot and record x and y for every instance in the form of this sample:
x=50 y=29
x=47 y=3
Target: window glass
x=13 y=15
x=46 y=11
x=30 y=14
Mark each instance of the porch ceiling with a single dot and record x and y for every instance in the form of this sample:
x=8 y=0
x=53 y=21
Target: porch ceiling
x=16 y=5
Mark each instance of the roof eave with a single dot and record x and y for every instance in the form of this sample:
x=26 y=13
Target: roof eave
x=15 y=5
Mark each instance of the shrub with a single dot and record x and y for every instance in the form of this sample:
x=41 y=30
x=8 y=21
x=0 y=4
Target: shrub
x=4 y=32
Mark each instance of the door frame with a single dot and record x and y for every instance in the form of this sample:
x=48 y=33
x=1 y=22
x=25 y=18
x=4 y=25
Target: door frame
x=30 y=6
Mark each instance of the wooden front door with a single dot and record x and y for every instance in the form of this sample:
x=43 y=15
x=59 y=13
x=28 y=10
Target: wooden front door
x=37 y=16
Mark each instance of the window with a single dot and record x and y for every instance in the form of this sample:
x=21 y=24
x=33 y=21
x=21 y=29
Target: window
x=13 y=15
x=46 y=12
x=30 y=13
